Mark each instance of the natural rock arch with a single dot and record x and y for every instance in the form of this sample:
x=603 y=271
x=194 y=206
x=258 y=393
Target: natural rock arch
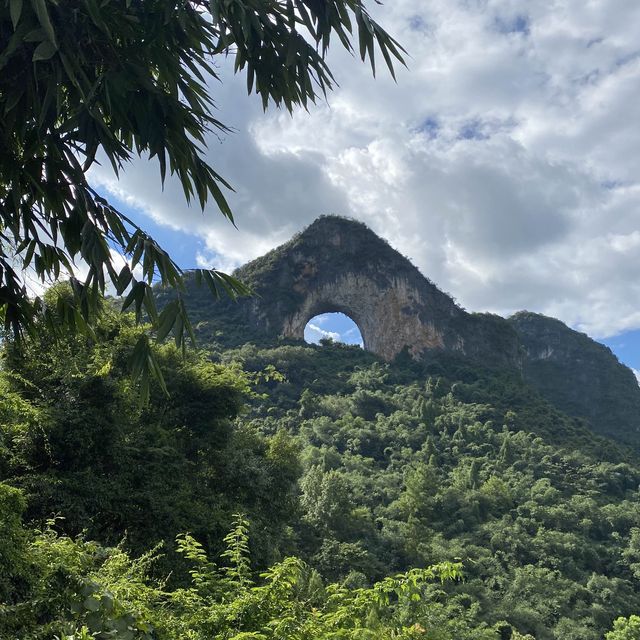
x=384 y=315
x=340 y=265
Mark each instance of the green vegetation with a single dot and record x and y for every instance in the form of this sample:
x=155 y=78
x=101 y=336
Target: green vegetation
x=429 y=500
x=403 y=468
x=80 y=590
x=79 y=444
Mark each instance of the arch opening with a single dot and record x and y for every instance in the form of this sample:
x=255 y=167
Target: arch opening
x=335 y=326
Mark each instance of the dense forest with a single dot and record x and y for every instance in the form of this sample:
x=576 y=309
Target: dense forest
x=291 y=491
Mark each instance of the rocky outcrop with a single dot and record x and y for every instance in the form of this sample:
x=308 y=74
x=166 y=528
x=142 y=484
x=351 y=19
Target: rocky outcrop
x=340 y=265
x=580 y=376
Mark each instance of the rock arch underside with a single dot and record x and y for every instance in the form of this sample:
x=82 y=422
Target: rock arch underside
x=339 y=265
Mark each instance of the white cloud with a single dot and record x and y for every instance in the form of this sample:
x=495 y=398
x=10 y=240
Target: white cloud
x=313 y=333
x=637 y=374
x=505 y=162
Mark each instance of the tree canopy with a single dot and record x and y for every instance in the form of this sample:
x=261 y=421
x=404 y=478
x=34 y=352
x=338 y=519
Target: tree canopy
x=354 y=475
x=88 y=81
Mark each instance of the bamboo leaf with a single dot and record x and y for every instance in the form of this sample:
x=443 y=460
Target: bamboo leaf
x=40 y=7
x=44 y=51
x=167 y=320
x=15 y=10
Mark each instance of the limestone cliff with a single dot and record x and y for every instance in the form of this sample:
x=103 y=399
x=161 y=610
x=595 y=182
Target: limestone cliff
x=338 y=264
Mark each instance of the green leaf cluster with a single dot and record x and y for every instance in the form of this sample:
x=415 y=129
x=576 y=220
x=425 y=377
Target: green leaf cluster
x=79 y=589
x=75 y=438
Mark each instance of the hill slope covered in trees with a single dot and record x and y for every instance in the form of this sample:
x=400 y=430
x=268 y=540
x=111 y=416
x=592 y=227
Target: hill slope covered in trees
x=358 y=468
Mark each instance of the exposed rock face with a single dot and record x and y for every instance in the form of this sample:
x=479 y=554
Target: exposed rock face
x=340 y=265
x=388 y=318
x=580 y=376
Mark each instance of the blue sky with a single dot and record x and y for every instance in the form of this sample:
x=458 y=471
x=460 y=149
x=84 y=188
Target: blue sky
x=336 y=326
x=504 y=162
x=627 y=347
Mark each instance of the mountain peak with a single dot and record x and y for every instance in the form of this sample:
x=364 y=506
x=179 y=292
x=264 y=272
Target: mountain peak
x=339 y=264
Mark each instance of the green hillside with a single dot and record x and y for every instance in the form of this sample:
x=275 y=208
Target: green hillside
x=433 y=500
x=580 y=376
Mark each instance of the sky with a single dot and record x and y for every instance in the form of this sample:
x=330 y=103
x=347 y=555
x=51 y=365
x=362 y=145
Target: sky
x=335 y=326
x=504 y=162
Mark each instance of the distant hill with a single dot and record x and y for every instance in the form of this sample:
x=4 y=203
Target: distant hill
x=580 y=376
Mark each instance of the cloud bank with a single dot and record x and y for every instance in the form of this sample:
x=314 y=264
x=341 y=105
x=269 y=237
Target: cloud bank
x=504 y=162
